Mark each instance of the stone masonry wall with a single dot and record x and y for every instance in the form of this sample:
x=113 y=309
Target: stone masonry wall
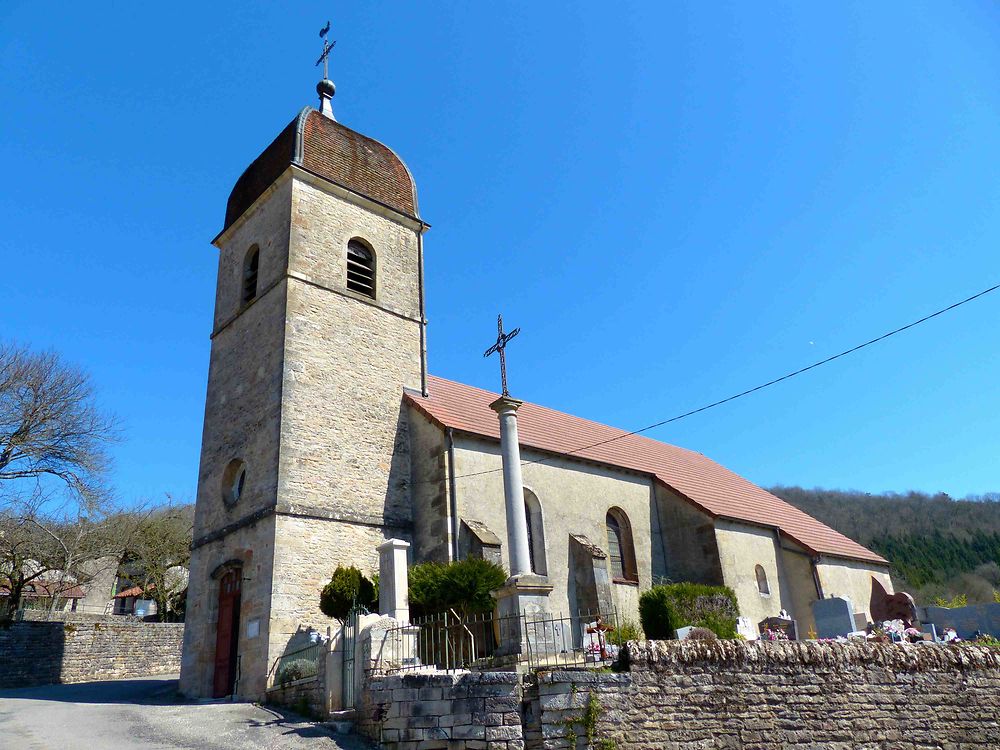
x=732 y=694
x=43 y=653
x=478 y=711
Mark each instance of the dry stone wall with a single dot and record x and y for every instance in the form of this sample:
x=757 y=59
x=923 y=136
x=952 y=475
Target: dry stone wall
x=478 y=711
x=732 y=694
x=43 y=653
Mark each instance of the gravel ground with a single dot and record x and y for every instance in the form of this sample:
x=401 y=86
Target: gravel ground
x=146 y=713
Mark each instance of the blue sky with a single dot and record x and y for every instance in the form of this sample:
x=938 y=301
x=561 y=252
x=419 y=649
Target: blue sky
x=675 y=201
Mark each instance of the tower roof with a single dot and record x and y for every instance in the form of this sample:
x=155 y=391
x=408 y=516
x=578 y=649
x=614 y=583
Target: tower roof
x=323 y=146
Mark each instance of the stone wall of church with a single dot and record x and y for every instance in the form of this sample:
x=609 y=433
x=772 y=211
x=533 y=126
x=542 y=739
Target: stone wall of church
x=692 y=553
x=575 y=497
x=432 y=523
x=741 y=549
x=344 y=440
x=696 y=694
x=253 y=546
x=801 y=586
x=852 y=580
x=243 y=401
x=307 y=551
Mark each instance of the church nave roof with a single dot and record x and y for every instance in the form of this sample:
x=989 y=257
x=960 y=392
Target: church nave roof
x=708 y=485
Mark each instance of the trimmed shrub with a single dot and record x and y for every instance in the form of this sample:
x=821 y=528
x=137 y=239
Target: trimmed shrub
x=347 y=587
x=297 y=669
x=464 y=586
x=663 y=609
x=627 y=630
x=701 y=634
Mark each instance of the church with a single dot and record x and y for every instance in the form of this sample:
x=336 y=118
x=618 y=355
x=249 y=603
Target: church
x=325 y=435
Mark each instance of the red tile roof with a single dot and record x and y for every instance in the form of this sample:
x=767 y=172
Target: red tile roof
x=133 y=591
x=335 y=153
x=44 y=589
x=708 y=485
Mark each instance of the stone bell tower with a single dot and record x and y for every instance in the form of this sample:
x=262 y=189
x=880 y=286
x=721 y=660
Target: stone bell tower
x=319 y=326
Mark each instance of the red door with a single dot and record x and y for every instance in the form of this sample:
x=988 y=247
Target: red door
x=227 y=633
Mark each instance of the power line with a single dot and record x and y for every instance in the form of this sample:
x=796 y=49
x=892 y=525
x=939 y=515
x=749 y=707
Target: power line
x=747 y=392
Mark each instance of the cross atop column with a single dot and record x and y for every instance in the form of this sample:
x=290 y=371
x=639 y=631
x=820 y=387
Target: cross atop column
x=500 y=346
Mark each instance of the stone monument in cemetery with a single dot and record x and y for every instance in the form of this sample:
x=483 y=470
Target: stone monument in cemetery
x=524 y=598
x=834 y=617
x=885 y=606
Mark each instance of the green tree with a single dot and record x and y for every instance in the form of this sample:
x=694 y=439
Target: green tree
x=347 y=588
x=463 y=585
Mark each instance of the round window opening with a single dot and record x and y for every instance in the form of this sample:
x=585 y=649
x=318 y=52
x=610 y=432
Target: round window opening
x=233 y=480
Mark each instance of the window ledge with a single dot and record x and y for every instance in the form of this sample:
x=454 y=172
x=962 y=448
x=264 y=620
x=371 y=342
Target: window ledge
x=625 y=581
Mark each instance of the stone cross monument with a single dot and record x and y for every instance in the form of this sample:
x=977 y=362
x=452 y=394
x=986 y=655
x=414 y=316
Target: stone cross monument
x=525 y=595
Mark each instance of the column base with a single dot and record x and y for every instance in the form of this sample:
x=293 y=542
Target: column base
x=523 y=613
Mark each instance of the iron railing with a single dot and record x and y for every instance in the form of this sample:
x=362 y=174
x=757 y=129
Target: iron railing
x=298 y=664
x=451 y=641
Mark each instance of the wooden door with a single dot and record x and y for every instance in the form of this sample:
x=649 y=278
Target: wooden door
x=227 y=633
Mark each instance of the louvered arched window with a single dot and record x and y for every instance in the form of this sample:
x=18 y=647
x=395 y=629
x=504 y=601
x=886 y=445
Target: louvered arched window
x=620 y=547
x=360 y=268
x=251 y=265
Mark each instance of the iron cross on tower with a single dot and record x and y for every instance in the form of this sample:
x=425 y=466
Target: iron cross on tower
x=500 y=346
x=327 y=46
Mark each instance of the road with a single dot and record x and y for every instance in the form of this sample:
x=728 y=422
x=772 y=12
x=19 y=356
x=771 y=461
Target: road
x=145 y=713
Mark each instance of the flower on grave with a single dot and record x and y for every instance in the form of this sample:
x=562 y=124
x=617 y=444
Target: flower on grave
x=774 y=635
x=893 y=628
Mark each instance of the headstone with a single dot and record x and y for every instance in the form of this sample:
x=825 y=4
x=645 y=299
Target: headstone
x=744 y=626
x=784 y=624
x=834 y=617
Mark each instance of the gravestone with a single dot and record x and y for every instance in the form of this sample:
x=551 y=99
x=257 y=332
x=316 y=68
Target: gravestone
x=784 y=624
x=744 y=626
x=834 y=617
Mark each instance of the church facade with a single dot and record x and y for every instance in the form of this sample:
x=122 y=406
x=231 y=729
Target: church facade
x=325 y=435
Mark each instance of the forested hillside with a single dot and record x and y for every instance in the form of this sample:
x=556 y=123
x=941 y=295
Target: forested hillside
x=938 y=546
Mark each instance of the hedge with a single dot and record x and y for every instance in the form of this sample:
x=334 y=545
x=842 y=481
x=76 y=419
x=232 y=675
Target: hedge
x=664 y=609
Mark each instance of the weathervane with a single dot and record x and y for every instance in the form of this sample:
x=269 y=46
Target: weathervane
x=325 y=88
x=327 y=46
x=500 y=346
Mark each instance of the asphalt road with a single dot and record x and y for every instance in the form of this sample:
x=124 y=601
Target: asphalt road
x=145 y=713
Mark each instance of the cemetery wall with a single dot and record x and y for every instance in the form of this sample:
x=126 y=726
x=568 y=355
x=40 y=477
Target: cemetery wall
x=756 y=695
x=307 y=696
x=478 y=711
x=44 y=653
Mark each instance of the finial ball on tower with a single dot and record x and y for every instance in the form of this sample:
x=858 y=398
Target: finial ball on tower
x=325 y=88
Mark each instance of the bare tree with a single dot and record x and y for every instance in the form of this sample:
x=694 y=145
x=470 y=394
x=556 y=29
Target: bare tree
x=49 y=423
x=159 y=550
x=52 y=437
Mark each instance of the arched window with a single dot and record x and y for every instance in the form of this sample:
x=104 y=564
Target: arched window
x=762 y=586
x=360 y=268
x=620 y=548
x=251 y=265
x=536 y=533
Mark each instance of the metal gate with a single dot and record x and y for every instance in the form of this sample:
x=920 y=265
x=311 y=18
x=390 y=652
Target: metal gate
x=348 y=643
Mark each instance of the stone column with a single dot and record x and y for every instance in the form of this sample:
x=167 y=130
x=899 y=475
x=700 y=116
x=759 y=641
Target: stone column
x=513 y=486
x=393 y=580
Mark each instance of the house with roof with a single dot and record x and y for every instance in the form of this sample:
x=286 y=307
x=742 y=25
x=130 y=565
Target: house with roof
x=325 y=435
